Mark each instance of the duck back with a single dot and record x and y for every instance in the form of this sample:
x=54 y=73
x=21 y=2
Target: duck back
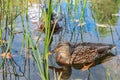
x=88 y=52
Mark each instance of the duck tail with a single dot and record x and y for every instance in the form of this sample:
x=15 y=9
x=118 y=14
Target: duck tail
x=111 y=47
x=105 y=49
x=102 y=51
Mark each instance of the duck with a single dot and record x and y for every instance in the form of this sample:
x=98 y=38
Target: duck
x=80 y=53
x=66 y=71
x=54 y=25
x=55 y=28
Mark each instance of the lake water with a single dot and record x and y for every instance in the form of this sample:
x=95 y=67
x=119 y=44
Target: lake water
x=93 y=28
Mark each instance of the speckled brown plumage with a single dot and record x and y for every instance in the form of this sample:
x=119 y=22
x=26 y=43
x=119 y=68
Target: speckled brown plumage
x=80 y=53
x=83 y=54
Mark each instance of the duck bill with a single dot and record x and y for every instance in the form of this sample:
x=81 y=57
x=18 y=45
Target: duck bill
x=51 y=52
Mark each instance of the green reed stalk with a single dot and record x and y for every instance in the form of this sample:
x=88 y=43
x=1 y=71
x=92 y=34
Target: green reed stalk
x=27 y=39
x=6 y=21
x=108 y=74
x=1 y=20
x=82 y=17
x=35 y=50
x=42 y=65
x=8 y=8
x=47 y=38
x=115 y=77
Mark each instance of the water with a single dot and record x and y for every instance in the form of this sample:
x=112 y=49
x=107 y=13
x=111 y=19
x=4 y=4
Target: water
x=94 y=29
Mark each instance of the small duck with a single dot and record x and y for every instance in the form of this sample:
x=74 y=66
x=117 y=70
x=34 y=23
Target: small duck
x=54 y=26
x=80 y=53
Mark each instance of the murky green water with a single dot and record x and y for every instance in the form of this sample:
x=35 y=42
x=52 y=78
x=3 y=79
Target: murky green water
x=101 y=24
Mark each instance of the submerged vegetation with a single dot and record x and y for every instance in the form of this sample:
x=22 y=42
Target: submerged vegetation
x=78 y=18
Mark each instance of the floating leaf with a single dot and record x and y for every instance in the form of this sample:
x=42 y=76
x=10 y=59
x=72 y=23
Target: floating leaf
x=37 y=38
x=28 y=56
x=18 y=32
x=6 y=55
x=102 y=25
x=2 y=41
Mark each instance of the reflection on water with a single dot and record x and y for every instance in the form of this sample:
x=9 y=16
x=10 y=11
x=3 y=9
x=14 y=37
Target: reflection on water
x=104 y=31
x=104 y=10
x=19 y=67
x=35 y=12
x=23 y=67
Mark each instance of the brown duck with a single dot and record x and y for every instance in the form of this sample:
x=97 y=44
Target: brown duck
x=67 y=70
x=80 y=53
x=54 y=25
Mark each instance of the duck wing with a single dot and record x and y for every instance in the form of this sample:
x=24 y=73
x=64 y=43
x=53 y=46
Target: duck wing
x=83 y=54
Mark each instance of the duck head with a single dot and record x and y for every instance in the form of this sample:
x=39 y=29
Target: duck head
x=63 y=53
x=64 y=49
